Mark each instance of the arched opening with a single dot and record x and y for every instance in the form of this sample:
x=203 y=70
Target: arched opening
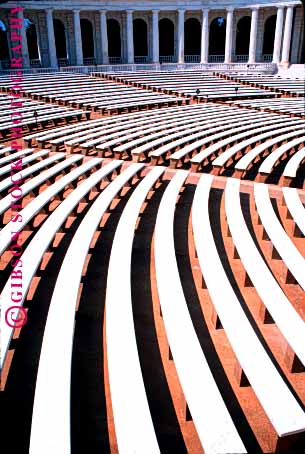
x=4 y=49
x=243 y=38
x=268 y=42
x=140 y=41
x=114 y=41
x=87 y=42
x=192 y=40
x=60 y=42
x=166 y=40
x=217 y=39
x=32 y=41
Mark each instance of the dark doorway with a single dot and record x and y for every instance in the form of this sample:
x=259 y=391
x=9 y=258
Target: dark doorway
x=114 y=38
x=87 y=38
x=140 y=38
x=192 y=37
x=269 y=32
x=243 y=36
x=60 y=39
x=166 y=37
x=217 y=38
x=31 y=36
x=4 y=49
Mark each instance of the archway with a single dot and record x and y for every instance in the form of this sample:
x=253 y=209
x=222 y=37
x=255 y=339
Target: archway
x=243 y=37
x=140 y=40
x=269 y=32
x=4 y=49
x=87 y=41
x=166 y=40
x=60 y=41
x=114 y=41
x=32 y=41
x=192 y=40
x=217 y=39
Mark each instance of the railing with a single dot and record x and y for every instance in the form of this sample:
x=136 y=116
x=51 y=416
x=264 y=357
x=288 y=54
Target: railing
x=141 y=59
x=166 y=58
x=29 y=71
x=267 y=57
x=216 y=58
x=89 y=61
x=35 y=63
x=241 y=58
x=115 y=60
x=192 y=58
x=62 y=62
x=263 y=68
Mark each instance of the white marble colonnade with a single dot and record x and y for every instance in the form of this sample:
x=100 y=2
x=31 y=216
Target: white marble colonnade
x=282 y=39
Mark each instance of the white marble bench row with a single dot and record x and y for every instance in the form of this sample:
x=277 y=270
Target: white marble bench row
x=120 y=131
x=44 y=119
x=36 y=182
x=30 y=170
x=220 y=138
x=281 y=407
x=132 y=419
x=58 y=132
x=54 y=406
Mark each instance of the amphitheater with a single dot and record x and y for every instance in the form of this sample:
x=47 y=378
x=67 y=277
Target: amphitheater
x=152 y=208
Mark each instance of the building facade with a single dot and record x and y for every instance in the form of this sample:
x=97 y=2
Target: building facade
x=71 y=32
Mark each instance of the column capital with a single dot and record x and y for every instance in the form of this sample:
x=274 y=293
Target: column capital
x=280 y=6
x=49 y=10
x=155 y=11
x=205 y=10
x=181 y=11
x=102 y=11
x=254 y=8
x=230 y=9
x=129 y=11
x=76 y=11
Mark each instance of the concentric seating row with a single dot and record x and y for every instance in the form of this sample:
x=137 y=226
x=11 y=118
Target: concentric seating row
x=251 y=345
x=250 y=144
x=102 y=96
x=285 y=86
x=32 y=114
x=292 y=106
x=194 y=84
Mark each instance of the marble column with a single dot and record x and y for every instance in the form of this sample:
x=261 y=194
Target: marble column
x=287 y=35
x=180 y=36
x=51 y=39
x=129 y=29
x=278 y=34
x=104 y=37
x=25 y=51
x=229 y=35
x=205 y=36
x=78 y=38
x=253 y=35
x=155 y=36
